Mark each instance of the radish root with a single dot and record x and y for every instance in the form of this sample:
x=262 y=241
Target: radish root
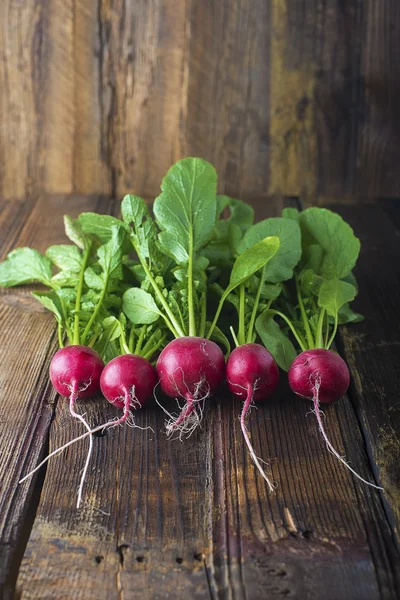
x=72 y=399
x=190 y=414
x=318 y=413
x=130 y=400
x=256 y=460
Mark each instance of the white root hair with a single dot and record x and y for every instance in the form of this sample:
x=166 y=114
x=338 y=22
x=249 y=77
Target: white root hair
x=318 y=413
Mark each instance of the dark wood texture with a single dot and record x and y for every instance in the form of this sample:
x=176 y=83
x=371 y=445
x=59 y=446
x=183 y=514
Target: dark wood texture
x=194 y=519
x=284 y=97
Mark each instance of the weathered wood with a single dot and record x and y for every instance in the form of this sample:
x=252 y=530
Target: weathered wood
x=27 y=400
x=228 y=92
x=284 y=97
x=372 y=347
x=194 y=519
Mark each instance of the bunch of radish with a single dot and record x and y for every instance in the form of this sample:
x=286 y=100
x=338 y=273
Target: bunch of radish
x=147 y=301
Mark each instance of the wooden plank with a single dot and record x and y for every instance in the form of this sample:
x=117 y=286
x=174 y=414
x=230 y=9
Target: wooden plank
x=372 y=347
x=377 y=155
x=229 y=91
x=195 y=519
x=143 y=74
x=50 y=105
x=27 y=399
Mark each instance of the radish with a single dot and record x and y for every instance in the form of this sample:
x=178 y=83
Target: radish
x=191 y=368
x=312 y=307
x=75 y=373
x=127 y=382
x=253 y=375
x=322 y=376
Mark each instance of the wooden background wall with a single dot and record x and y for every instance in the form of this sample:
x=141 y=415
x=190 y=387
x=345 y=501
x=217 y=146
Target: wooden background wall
x=294 y=97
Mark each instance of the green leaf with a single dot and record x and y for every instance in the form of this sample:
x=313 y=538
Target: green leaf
x=144 y=234
x=139 y=307
x=51 y=301
x=65 y=279
x=106 y=345
x=134 y=210
x=110 y=254
x=310 y=283
x=252 y=260
x=335 y=236
x=335 y=293
x=219 y=337
x=65 y=257
x=101 y=226
x=280 y=267
x=275 y=340
x=25 y=265
x=347 y=315
x=93 y=280
x=291 y=213
x=241 y=214
x=186 y=209
x=75 y=233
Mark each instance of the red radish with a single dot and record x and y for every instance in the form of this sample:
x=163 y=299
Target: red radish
x=253 y=375
x=75 y=373
x=322 y=376
x=128 y=382
x=191 y=368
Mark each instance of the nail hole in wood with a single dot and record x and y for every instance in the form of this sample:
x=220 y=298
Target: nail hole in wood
x=179 y=560
x=140 y=558
x=198 y=556
x=99 y=559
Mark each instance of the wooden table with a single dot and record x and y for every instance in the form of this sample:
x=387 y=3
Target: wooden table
x=165 y=519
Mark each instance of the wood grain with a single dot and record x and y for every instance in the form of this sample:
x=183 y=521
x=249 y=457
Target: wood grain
x=284 y=97
x=26 y=345
x=372 y=347
x=195 y=520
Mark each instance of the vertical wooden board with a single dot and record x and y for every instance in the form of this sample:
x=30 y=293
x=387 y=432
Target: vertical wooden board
x=377 y=156
x=143 y=71
x=372 y=347
x=228 y=92
x=91 y=171
x=293 y=144
x=317 y=97
x=23 y=50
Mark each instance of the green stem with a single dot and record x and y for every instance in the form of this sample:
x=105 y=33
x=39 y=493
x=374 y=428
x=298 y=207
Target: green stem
x=218 y=312
x=149 y=343
x=203 y=315
x=60 y=337
x=192 y=322
x=234 y=337
x=242 y=299
x=123 y=345
x=333 y=332
x=300 y=341
x=171 y=322
x=64 y=314
x=319 y=336
x=326 y=330
x=140 y=340
x=95 y=312
x=255 y=307
x=149 y=354
x=131 y=338
x=307 y=327
x=76 y=338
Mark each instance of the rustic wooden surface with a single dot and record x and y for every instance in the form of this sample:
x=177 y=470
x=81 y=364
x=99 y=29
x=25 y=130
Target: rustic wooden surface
x=194 y=519
x=283 y=97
